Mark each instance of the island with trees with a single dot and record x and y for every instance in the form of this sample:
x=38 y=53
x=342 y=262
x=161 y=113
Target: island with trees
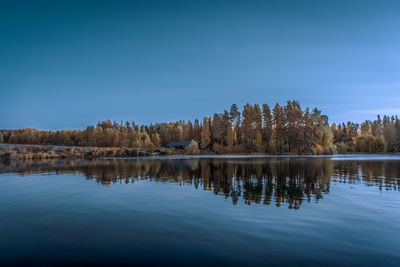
x=281 y=129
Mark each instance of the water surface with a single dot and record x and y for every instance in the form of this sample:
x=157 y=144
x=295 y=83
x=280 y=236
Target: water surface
x=298 y=211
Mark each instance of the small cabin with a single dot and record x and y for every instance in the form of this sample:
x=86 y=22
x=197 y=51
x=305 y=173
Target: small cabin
x=180 y=144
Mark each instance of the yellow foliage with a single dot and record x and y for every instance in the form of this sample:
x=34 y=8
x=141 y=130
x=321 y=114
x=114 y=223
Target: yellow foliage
x=318 y=149
x=192 y=148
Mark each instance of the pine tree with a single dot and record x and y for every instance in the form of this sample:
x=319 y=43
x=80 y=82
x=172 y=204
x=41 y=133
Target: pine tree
x=267 y=119
x=206 y=133
x=259 y=143
x=279 y=120
x=230 y=135
x=234 y=115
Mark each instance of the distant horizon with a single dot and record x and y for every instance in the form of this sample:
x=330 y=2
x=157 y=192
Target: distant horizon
x=138 y=122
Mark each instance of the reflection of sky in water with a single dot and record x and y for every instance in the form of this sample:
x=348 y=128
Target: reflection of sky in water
x=66 y=218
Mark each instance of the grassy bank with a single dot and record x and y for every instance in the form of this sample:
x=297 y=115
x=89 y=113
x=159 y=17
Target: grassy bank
x=11 y=151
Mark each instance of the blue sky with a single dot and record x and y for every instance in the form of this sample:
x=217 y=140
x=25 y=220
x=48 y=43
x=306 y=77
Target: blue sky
x=68 y=64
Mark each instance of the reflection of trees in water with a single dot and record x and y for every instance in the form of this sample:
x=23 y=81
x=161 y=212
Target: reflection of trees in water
x=256 y=180
x=261 y=181
x=384 y=174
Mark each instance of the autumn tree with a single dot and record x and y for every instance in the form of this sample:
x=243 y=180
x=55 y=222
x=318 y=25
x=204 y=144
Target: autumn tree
x=293 y=116
x=196 y=130
x=279 y=124
x=230 y=135
x=259 y=143
x=234 y=115
x=206 y=133
x=192 y=148
x=267 y=119
x=248 y=129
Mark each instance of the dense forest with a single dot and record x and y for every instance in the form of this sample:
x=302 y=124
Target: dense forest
x=282 y=129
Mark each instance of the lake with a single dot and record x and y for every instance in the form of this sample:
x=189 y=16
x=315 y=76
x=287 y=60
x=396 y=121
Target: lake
x=238 y=210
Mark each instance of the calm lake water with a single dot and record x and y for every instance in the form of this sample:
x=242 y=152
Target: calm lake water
x=297 y=211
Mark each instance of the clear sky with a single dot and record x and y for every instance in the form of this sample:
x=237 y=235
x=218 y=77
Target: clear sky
x=68 y=64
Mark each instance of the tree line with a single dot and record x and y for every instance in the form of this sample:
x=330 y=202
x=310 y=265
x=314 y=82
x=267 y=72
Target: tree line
x=256 y=128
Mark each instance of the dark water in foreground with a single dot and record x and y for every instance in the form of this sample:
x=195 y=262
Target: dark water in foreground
x=202 y=211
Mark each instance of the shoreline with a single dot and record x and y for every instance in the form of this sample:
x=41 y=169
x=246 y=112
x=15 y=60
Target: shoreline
x=28 y=151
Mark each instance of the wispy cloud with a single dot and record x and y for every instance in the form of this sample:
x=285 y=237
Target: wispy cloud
x=384 y=111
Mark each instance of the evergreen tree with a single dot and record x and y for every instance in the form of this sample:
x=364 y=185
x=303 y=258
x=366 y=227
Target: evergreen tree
x=206 y=133
x=279 y=124
x=267 y=119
